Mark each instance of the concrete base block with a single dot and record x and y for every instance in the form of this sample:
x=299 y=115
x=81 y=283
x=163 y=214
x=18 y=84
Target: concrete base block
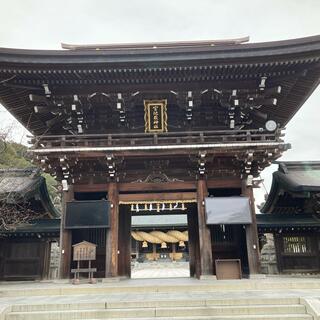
x=59 y=281
x=4 y=309
x=257 y=276
x=312 y=306
x=208 y=277
x=112 y=279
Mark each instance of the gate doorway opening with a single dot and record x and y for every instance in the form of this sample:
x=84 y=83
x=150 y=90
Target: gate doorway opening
x=158 y=239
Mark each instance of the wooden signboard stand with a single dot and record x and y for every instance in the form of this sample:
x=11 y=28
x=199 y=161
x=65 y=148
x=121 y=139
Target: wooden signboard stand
x=84 y=251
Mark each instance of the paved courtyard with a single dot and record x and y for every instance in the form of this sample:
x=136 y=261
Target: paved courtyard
x=160 y=270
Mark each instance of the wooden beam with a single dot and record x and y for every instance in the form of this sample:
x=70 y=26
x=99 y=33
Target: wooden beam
x=217 y=152
x=224 y=183
x=175 y=196
x=90 y=187
x=138 y=186
x=163 y=186
x=112 y=232
x=206 y=262
x=65 y=238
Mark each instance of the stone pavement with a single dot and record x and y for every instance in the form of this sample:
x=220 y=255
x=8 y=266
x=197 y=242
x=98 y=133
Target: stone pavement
x=160 y=270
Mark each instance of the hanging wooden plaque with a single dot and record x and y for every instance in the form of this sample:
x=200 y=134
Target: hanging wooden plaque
x=155 y=115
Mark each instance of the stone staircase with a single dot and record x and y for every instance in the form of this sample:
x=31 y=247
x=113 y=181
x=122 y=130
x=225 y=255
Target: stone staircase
x=261 y=299
x=258 y=308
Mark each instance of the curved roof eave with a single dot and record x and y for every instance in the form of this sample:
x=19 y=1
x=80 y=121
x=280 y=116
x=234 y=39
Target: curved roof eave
x=286 y=182
x=273 y=195
x=296 y=47
x=46 y=200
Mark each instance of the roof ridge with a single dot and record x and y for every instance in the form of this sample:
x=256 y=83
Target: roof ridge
x=155 y=45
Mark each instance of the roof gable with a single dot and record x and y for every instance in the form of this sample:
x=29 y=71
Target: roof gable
x=299 y=178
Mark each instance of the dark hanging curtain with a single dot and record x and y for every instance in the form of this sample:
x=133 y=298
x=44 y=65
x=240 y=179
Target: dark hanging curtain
x=228 y=210
x=87 y=214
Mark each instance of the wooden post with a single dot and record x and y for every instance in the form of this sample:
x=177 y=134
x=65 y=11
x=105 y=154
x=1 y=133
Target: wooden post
x=137 y=250
x=121 y=244
x=112 y=232
x=154 y=251
x=44 y=259
x=193 y=243
x=173 y=251
x=127 y=233
x=124 y=244
x=252 y=233
x=206 y=263
x=65 y=237
x=46 y=262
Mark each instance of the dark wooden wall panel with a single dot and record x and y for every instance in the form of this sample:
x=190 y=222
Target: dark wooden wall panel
x=27 y=260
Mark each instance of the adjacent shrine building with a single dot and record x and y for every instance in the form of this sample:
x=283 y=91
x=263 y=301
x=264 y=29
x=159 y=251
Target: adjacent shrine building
x=291 y=215
x=27 y=225
x=160 y=128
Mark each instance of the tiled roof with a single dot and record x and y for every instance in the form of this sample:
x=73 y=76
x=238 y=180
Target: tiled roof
x=293 y=177
x=22 y=185
x=19 y=182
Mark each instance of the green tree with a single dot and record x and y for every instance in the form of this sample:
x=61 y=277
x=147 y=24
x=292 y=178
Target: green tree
x=15 y=155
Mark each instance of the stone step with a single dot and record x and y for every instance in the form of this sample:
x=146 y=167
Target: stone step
x=241 y=317
x=209 y=286
x=58 y=306
x=135 y=286
x=196 y=303
x=235 y=317
x=231 y=310
x=154 y=303
x=159 y=312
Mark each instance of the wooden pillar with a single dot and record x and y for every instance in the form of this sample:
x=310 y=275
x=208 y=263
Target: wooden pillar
x=154 y=251
x=206 y=263
x=128 y=244
x=252 y=233
x=124 y=243
x=65 y=237
x=173 y=251
x=46 y=259
x=137 y=250
x=121 y=245
x=112 y=232
x=193 y=243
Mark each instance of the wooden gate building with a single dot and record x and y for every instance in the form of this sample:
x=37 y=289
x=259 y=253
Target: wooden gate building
x=159 y=128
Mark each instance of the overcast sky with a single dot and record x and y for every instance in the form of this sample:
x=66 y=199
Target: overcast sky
x=44 y=24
